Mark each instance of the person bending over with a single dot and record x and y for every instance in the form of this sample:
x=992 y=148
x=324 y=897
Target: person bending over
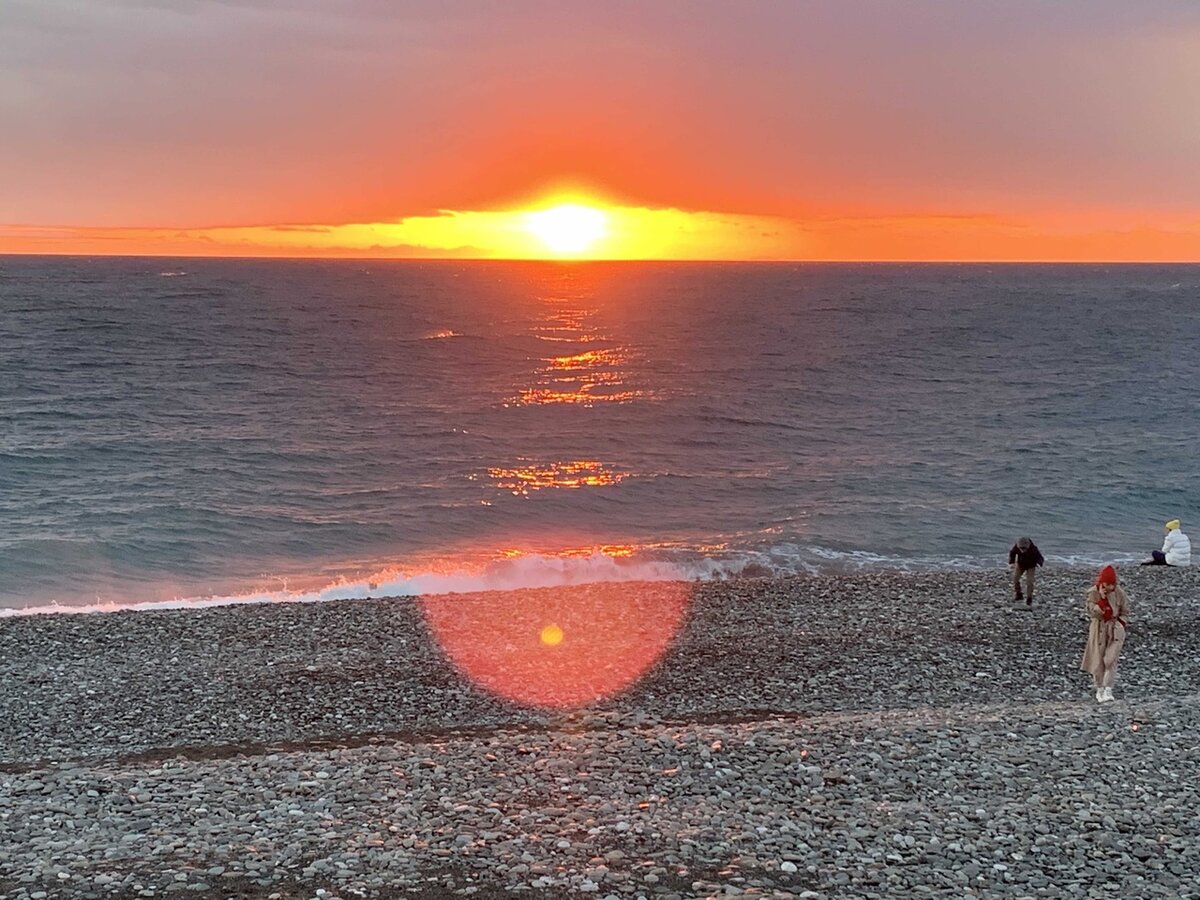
x=1176 y=549
x=1108 y=617
x=1023 y=558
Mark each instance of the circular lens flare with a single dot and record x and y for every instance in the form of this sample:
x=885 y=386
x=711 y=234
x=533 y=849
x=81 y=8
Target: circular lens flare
x=561 y=646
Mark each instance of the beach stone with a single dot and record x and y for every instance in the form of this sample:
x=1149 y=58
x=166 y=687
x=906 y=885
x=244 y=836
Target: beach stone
x=797 y=758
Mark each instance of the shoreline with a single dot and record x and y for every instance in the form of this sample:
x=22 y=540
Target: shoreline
x=590 y=565
x=836 y=735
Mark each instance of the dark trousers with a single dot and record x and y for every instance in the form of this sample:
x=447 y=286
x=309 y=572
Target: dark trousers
x=1157 y=558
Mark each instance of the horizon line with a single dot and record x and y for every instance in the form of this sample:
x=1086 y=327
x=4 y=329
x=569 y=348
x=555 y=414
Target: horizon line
x=568 y=260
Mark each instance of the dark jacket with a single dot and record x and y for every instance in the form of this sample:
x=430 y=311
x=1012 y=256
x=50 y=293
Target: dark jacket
x=1026 y=559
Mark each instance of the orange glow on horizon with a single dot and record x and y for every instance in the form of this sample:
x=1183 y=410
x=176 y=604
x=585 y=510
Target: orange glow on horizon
x=737 y=131
x=581 y=226
x=564 y=226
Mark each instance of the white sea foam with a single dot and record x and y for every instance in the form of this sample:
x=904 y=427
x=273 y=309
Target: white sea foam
x=540 y=570
x=531 y=571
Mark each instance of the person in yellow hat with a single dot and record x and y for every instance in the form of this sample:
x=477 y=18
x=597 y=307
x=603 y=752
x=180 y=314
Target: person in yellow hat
x=1176 y=549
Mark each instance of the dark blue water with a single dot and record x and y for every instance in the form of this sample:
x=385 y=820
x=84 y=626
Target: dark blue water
x=188 y=428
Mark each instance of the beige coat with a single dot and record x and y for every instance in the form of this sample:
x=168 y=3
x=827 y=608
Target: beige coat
x=1105 y=639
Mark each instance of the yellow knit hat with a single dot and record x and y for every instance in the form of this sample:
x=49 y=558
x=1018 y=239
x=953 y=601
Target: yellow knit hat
x=1173 y=524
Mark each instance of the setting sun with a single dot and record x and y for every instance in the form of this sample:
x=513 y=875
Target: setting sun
x=568 y=228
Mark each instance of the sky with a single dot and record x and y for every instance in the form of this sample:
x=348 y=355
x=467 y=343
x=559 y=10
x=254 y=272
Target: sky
x=744 y=129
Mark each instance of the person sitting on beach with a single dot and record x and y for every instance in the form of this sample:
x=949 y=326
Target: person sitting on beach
x=1176 y=549
x=1108 y=615
x=1024 y=557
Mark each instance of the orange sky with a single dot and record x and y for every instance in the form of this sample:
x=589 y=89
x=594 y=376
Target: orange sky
x=778 y=129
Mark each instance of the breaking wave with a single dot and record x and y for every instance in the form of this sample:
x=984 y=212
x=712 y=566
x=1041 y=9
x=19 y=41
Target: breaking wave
x=536 y=570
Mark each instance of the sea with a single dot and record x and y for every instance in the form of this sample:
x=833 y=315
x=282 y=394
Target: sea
x=179 y=432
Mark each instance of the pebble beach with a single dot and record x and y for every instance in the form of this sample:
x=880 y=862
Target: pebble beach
x=873 y=735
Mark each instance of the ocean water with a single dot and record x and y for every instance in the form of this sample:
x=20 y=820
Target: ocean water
x=173 y=430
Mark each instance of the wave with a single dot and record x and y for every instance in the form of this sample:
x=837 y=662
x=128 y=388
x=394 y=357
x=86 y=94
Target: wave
x=530 y=571
x=541 y=570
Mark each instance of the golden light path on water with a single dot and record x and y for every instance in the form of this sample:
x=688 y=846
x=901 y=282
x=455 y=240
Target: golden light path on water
x=578 y=377
x=530 y=476
x=584 y=376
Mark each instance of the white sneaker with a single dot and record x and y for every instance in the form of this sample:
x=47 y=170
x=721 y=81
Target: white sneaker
x=1108 y=697
x=1099 y=695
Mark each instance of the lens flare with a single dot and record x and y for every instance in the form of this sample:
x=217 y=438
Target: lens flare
x=561 y=646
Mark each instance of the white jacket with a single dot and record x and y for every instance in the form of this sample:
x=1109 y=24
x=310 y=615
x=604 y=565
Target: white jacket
x=1177 y=548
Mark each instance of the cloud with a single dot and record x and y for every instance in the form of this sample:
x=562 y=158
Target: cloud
x=131 y=112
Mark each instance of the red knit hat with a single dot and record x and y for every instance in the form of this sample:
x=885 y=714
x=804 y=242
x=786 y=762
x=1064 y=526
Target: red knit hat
x=1108 y=575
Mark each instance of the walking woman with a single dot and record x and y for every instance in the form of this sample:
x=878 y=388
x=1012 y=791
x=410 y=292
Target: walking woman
x=1108 y=615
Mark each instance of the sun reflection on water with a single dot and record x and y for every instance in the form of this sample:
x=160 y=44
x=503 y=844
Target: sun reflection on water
x=619 y=551
x=523 y=479
x=587 y=360
x=586 y=375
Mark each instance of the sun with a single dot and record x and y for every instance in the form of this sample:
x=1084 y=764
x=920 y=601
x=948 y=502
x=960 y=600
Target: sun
x=568 y=228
